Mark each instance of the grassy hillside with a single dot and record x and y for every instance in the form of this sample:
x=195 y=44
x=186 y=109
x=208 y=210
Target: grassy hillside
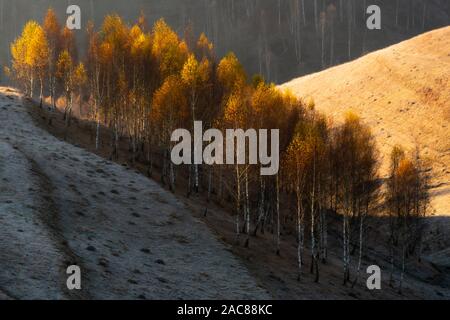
x=403 y=93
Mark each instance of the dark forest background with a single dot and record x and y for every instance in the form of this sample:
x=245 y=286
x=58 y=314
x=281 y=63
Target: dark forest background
x=280 y=39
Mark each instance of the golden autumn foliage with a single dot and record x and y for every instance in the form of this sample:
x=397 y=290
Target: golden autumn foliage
x=194 y=73
x=168 y=49
x=170 y=107
x=144 y=83
x=231 y=73
x=30 y=53
x=205 y=47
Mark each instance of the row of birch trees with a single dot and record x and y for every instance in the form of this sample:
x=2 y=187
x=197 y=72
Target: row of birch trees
x=142 y=83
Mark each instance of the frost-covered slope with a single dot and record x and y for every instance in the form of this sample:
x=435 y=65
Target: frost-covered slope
x=61 y=205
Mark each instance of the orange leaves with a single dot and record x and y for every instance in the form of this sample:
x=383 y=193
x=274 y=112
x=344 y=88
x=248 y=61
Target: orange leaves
x=64 y=66
x=190 y=72
x=170 y=108
x=163 y=38
x=80 y=75
x=406 y=172
x=68 y=42
x=195 y=74
x=52 y=30
x=231 y=73
x=140 y=43
x=235 y=110
x=115 y=32
x=51 y=23
x=168 y=49
x=403 y=170
x=407 y=192
x=169 y=101
x=205 y=47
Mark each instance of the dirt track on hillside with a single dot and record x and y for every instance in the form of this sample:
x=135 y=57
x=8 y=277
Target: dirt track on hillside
x=61 y=205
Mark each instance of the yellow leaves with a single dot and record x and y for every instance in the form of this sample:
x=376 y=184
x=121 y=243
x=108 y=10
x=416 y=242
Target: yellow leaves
x=114 y=30
x=406 y=170
x=269 y=106
x=68 y=41
x=310 y=104
x=167 y=48
x=402 y=167
x=205 y=47
x=169 y=102
x=80 y=74
x=234 y=110
x=231 y=73
x=351 y=118
x=190 y=72
x=135 y=32
x=38 y=50
x=7 y=71
x=205 y=70
x=19 y=51
x=203 y=43
x=30 y=52
x=397 y=155
x=163 y=37
x=195 y=74
x=140 y=43
x=64 y=65
x=106 y=52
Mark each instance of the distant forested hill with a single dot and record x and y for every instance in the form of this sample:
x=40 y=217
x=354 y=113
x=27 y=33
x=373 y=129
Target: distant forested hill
x=280 y=39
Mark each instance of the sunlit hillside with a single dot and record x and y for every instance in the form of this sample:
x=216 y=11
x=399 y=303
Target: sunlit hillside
x=403 y=93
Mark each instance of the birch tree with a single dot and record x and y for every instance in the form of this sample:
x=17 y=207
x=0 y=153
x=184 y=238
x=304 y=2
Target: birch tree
x=52 y=30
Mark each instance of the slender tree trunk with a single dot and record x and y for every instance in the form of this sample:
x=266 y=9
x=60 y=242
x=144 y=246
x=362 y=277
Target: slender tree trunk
x=358 y=270
x=195 y=166
x=210 y=170
x=41 y=92
x=221 y=184
x=31 y=86
x=261 y=204
x=97 y=134
x=277 y=187
x=171 y=173
x=247 y=209
x=238 y=201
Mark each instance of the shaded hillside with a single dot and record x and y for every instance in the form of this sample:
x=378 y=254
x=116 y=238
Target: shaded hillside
x=403 y=93
x=61 y=205
x=279 y=39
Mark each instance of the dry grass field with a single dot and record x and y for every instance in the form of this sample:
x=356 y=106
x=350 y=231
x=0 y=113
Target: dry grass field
x=403 y=93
